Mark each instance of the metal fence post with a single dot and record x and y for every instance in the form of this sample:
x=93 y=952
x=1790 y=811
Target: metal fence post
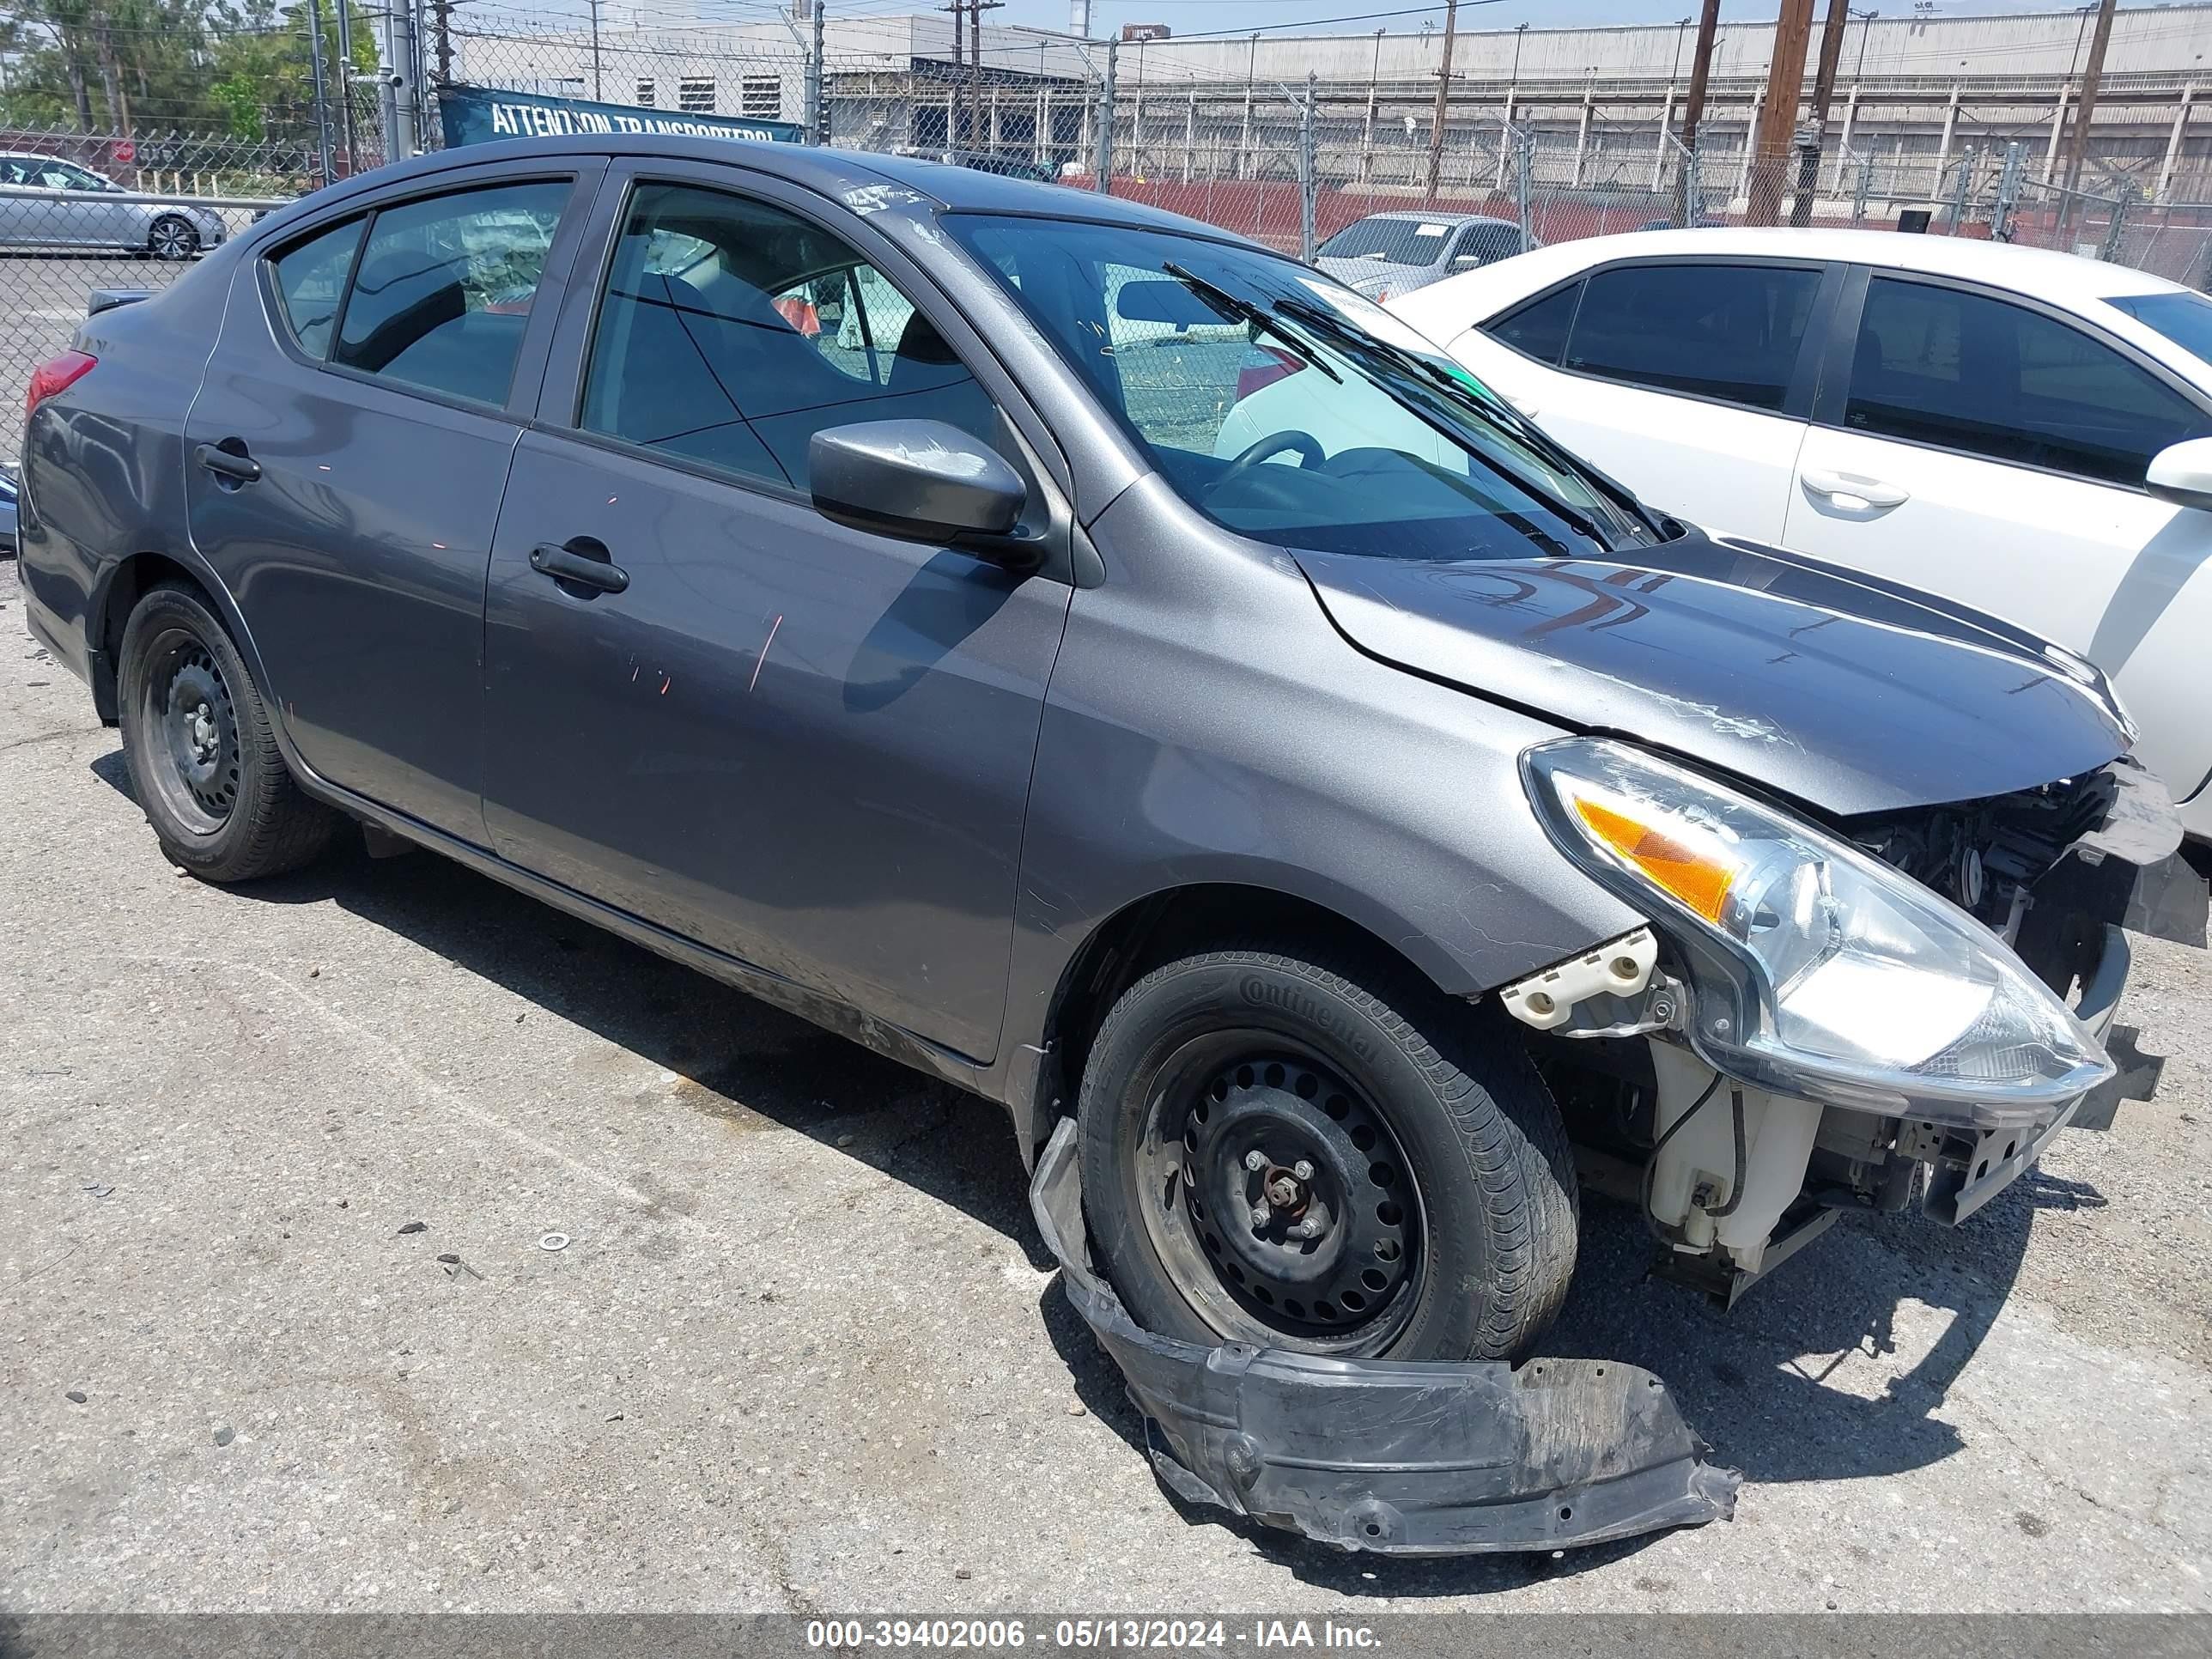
x=404 y=106
x=1524 y=145
x=1103 y=154
x=2008 y=194
x=818 y=111
x=1309 y=172
x=2122 y=196
x=1959 y=191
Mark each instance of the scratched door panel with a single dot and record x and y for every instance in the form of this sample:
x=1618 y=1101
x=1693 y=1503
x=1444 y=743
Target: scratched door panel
x=801 y=743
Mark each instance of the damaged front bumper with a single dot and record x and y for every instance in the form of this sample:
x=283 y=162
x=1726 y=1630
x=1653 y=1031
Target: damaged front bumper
x=1398 y=1458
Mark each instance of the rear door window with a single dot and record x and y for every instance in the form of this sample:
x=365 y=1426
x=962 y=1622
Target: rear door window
x=1726 y=331
x=442 y=295
x=311 y=282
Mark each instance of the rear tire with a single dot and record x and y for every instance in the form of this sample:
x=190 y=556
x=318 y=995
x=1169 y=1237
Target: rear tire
x=204 y=763
x=1437 y=1218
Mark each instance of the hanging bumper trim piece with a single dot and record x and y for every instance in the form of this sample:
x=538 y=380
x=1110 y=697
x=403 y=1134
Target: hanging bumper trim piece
x=1398 y=1458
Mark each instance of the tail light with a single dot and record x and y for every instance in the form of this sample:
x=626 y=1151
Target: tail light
x=55 y=374
x=1279 y=366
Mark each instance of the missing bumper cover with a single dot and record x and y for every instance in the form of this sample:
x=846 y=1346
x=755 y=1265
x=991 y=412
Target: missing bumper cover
x=1397 y=1458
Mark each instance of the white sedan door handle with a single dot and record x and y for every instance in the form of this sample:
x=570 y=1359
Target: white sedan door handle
x=1854 y=492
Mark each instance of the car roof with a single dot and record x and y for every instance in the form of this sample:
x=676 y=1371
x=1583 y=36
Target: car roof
x=867 y=181
x=2043 y=271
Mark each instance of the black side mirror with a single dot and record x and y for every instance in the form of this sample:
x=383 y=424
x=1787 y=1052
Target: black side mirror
x=922 y=480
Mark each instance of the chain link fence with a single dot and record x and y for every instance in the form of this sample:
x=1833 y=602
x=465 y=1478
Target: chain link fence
x=1293 y=164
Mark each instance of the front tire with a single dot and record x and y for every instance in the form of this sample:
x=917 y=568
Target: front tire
x=204 y=765
x=1324 y=1155
x=173 y=238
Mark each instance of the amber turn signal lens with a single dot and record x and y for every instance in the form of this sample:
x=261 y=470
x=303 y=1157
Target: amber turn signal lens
x=1700 y=882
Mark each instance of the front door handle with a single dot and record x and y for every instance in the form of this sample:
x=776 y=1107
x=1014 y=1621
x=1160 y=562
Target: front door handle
x=1854 y=492
x=234 y=464
x=583 y=561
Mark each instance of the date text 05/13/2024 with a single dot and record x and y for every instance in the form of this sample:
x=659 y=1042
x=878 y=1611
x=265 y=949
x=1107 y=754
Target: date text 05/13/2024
x=852 y=1634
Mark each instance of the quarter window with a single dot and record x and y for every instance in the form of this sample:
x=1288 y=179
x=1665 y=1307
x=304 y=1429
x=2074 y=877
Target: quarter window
x=441 y=296
x=732 y=331
x=1967 y=371
x=1538 y=329
x=1726 y=331
x=310 y=281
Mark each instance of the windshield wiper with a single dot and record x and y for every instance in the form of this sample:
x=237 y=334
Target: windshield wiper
x=1358 y=340
x=1245 y=312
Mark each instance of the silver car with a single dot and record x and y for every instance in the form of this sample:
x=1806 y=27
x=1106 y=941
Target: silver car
x=1391 y=253
x=47 y=203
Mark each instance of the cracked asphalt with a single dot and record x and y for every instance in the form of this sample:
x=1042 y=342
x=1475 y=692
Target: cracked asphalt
x=802 y=1350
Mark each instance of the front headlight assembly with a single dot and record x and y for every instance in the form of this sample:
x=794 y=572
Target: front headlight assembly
x=1818 y=970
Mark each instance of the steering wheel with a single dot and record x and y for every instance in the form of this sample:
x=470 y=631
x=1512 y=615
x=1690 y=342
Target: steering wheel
x=1310 y=454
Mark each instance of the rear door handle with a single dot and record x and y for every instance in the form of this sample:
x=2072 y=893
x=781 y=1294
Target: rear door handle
x=1853 y=491
x=228 y=464
x=583 y=562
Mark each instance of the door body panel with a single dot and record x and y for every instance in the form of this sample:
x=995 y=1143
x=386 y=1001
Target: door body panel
x=2106 y=571
x=358 y=555
x=802 y=744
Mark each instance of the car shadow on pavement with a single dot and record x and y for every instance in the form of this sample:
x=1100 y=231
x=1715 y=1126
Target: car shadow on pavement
x=1808 y=1378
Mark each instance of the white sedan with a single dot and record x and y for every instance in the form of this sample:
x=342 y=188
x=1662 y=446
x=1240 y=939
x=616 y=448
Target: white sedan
x=2023 y=431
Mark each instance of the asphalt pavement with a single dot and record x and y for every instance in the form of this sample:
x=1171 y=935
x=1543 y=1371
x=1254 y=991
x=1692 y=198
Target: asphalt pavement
x=802 y=1349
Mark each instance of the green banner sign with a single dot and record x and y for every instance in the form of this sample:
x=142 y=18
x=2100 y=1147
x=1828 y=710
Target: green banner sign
x=478 y=115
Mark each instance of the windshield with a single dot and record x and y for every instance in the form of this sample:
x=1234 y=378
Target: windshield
x=1389 y=241
x=1286 y=407
x=2184 y=319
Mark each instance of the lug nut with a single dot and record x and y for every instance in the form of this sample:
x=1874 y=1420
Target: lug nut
x=1259 y=1215
x=1256 y=1161
x=1310 y=1227
x=1301 y=1170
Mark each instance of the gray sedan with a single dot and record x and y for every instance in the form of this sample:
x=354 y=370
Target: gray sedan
x=823 y=569
x=47 y=203
x=1392 y=253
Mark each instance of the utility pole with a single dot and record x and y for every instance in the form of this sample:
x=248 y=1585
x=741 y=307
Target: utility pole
x=818 y=104
x=958 y=9
x=2085 y=106
x=1778 y=117
x=1102 y=166
x=976 y=11
x=598 y=92
x=1693 y=109
x=441 y=26
x=1824 y=90
x=406 y=65
x=1443 y=90
x=314 y=10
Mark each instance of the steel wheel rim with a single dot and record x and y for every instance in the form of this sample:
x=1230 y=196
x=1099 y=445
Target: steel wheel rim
x=190 y=722
x=1234 y=1235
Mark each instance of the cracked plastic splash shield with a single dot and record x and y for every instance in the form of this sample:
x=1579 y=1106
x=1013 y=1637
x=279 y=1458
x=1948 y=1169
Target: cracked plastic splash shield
x=1398 y=1458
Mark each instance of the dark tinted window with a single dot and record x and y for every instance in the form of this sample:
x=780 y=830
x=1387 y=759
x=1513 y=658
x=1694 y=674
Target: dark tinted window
x=1540 y=328
x=1726 y=331
x=2184 y=319
x=311 y=280
x=1487 y=243
x=442 y=293
x=732 y=331
x=1942 y=366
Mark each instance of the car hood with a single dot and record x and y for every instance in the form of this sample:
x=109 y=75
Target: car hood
x=1850 y=695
